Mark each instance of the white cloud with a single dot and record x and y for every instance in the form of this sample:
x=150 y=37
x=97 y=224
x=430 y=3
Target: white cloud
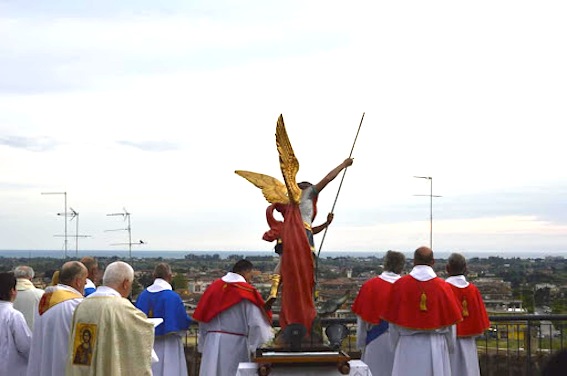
x=471 y=95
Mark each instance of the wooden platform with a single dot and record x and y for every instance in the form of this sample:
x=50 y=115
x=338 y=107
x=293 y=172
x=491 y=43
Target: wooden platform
x=270 y=358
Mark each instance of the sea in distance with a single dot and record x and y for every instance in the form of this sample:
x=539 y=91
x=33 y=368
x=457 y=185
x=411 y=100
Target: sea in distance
x=224 y=254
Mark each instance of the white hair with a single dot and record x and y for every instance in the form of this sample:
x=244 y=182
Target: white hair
x=24 y=271
x=116 y=273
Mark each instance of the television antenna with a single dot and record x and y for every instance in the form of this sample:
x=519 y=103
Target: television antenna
x=430 y=195
x=74 y=215
x=64 y=211
x=126 y=216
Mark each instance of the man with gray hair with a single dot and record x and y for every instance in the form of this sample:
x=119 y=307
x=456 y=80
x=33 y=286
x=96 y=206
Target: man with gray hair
x=110 y=336
x=28 y=296
x=52 y=324
x=372 y=333
x=159 y=300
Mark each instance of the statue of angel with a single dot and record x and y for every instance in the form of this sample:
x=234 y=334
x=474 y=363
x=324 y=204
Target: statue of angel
x=297 y=202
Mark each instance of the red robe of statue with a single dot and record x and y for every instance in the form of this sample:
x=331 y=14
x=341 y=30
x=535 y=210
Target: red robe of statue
x=297 y=272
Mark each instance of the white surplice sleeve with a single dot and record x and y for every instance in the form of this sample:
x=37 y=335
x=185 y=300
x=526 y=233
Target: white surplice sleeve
x=22 y=335
x=259 y=329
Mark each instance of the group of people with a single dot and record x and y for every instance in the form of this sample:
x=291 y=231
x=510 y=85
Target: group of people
x=412 y=324
x=420 y=323
x=75 y=327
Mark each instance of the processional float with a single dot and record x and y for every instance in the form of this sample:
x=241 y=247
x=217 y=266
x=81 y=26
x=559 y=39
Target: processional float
x=300 y=341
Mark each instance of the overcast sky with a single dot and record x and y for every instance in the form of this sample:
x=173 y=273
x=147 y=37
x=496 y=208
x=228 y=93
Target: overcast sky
x=151 y=106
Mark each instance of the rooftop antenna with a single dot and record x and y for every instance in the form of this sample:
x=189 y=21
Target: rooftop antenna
x=126 y=216
x=430 y=195
x=64 y=214
x=75 y=215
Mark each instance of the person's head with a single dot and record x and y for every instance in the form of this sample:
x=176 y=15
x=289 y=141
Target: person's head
x=7 y=286
x=163 y=271
x=24 y=271
x=92 y=266
x=423 y=256
x=394 y=262
x=304 y=185
x=74 y=274
x=456 y=264
x=119 y=276
x=244 y=268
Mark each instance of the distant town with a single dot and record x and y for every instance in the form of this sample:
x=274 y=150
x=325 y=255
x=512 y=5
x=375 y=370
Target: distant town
x=508 y=285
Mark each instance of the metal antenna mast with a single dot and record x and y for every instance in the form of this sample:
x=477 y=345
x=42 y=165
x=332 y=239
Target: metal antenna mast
x=75 y=215
x=65 y=214
x=126 y=216
x=430 y=195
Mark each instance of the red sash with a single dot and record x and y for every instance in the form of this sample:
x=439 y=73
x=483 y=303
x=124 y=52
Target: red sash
x=221 y=295
x=372 y=300
x=422 y=305
x=475 y=320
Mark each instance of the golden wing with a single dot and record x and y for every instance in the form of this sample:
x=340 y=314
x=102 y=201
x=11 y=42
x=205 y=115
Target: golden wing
x=273 y=190
x=288 y=162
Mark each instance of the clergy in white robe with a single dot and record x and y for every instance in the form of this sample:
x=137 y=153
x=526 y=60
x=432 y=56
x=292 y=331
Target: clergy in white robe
x=109 y=335
x=15 y=336
x=28 y=295
x=464 y=360
x=372 y=333
x=232 y=322
x=422 y=313
x=160 y=301
x=52 y=324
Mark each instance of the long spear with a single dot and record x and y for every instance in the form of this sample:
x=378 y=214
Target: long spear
x=339 y=190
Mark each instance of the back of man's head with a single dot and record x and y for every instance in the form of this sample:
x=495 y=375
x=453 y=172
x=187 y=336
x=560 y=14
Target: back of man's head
x=394 y=262
x=7 y=284
x=92 y=265
x=163 y=271
x=119 y=276
x=242 y=266
x=423 y=256
x=24 y=271
x=456 y=264
x=74 y=274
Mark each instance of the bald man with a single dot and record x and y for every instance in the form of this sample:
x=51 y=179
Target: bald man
x=422 y=311
x=52 y=324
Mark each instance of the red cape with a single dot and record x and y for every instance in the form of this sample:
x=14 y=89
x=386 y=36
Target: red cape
x=372 y=300
x=221 y=295
x=475 y=320
x=297 y=272
x=405 y=304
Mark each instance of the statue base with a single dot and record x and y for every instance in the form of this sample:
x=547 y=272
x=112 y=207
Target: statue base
x=268 y=358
